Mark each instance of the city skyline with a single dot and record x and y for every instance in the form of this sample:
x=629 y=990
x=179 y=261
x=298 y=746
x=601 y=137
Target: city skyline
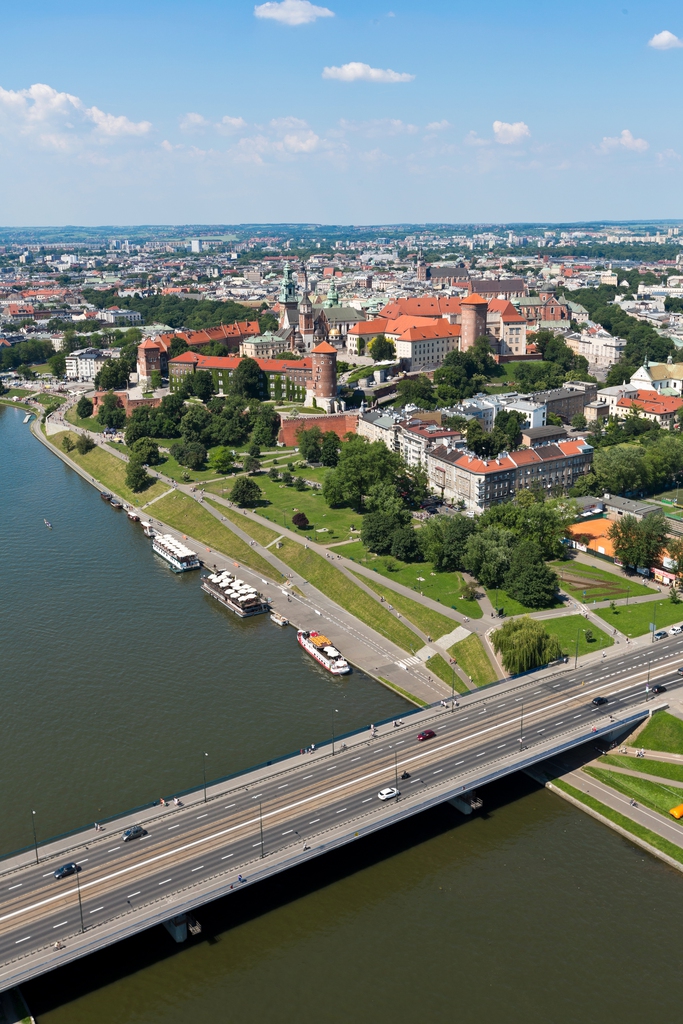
x=342 y=113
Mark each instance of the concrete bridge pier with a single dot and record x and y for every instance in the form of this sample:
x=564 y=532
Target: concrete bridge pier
x=179 y=926
x=466 y=803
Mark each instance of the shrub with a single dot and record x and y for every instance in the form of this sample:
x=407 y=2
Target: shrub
x=136 y=474
x=68 y=443
x=84 y=444
x=245 y=491
x=300 y=520
x=273 y=473
x=300 y=484
x=84 y=408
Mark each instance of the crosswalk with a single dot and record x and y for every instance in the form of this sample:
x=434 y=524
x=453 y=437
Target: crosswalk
x=407 y=662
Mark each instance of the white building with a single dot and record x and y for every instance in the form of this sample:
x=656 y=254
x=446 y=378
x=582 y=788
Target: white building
x=114 y=315
x=86 y=363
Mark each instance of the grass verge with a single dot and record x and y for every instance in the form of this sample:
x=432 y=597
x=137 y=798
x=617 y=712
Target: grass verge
x=404 y=693
x=589 y=583
x=635 y=619
x=566 y=629
x=190 y=518
x=331 y=582
x=440 y=667
x=260 y=533
x=657 y=796
x=89 y=424
x=645 y=766
x=471 y=655
x=647 y=836
x=431 y=622
x=109 y=471
x=663 y=732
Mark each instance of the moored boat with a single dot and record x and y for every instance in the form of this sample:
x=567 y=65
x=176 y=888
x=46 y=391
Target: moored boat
x=105 y=496
x=179 y=557
x=240 y=597
x=115 y=503
x=132 y=515
x=324 y=652
x=278 y=619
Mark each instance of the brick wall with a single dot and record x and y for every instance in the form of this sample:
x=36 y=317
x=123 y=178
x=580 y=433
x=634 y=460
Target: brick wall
x=340 y=422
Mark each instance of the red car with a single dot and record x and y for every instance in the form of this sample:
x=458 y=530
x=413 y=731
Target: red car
x=428 y=734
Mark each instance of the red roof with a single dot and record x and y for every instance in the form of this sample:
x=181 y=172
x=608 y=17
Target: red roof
x=201 y=362
x=377 y=326
x=507 y=311
x=651 y=402
x=474 y=300
x=324 y=346
x=524 y=457
x=437 y=329
x=427 y=305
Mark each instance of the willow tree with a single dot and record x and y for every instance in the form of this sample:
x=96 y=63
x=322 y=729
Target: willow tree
x=524 y=644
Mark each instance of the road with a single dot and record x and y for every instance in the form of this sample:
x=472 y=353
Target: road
x=272 y=814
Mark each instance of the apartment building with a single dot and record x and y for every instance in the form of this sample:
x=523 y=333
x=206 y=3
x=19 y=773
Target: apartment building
x=86 y=363
x=416 y=438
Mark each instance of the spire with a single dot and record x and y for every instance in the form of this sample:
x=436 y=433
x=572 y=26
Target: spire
x=332 y=295
x=287 y=288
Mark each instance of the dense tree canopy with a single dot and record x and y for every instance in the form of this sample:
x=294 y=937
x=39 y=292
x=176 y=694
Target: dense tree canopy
x=524 y=644
x=639 y=543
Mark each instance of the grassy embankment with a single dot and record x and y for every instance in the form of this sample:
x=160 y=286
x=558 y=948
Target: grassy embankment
x=88 y=424
x=635 y=620
x=663 y=732
x=440 y=667
x=645 y=834
x=499 y=599
x=47 y=399
x=445 y=587
x=431 y=622
x=109 y=471
x=188 y=516
x=589 y=583
x=566 y=629
x=657 y=796
x=256 y=530
x=471 y=656
x=645 y=766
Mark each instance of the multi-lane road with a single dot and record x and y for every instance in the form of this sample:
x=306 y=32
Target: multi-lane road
x=299 y=807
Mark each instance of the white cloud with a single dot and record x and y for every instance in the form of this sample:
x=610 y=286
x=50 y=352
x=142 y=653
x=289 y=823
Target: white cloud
x=438 y=126
x=110 y=124
x=665 y=41
x=194 y=123
x=668 y=156
x=472 y=139
x=292 y=12
x=625 y=141
x=507 y=134
x=232 y=124
x=357 y=72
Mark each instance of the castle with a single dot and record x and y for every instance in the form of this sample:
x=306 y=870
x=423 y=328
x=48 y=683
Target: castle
x=303 y=325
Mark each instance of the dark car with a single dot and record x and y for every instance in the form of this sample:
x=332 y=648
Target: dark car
x=680 y=670
x=658 y=688
x=66 y=870
x=426 y=734
x=598 y=701
x=134 y=832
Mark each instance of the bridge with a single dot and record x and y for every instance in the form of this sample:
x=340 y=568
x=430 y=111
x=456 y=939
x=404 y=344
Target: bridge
x=266 y=820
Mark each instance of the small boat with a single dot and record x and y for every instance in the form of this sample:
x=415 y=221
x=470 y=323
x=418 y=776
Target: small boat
x=132 y=515
x=115 y=503
x=48 y=524
x=278 y=619
x=27 y=417
x=105 y=496
x=148 y=529
x=320 y=648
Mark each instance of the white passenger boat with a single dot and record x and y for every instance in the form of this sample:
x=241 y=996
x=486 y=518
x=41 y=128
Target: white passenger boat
x=324 y=652
x=278 y=619
x=179 y=557
x=240 y=597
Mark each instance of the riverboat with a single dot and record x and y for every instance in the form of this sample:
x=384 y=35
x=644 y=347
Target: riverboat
x=278 y=619
x=324 y=652
x=148 y=529
x=132 y=515
x=115 y=503
x=105 y=496
x=240 y=597
x=179 y=557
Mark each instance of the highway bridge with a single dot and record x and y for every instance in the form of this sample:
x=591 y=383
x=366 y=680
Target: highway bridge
x=274 y=817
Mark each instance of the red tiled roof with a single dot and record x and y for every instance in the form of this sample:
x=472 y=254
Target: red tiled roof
x=507 y=311
x=523 y=457
x=324 y=346
x=474 y=300
x=650 y=401
x=232 y=362
x=427 y=305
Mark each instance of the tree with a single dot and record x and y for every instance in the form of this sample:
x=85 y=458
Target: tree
x=189 y=453
x=299 y=484
x=84 y=408
x=674 y=546
x=68 y=443
x=246 y=379
x=266 y=426
x=533 y=584
x=300 y=520
x=245 y=491
x=377 y=532
x=361 y=464
x=114 y=375
x=443 y=541
x=222 y=460
x=510 y=423
x=136 y=474
x=273 y=473
x=57 y=364
x=156 y=380
x=110 y=412
x=487 y=555
x=579 y=421
x=310 y=444
x=554 y=420
x=287 y=478
x=250 y=464
x=147 y=450
x=524 y=644
x=84 y=444
x=203 y=385
x=329 y=455
x=254 y=450
x=416 y=391
x=639 y=543
x=195 y=424
x=405 y=545
x=381 y=348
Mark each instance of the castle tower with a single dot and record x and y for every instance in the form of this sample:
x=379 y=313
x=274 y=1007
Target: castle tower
x=306 y=324
x=322 y=389
x=473 y=311
x=287 y=297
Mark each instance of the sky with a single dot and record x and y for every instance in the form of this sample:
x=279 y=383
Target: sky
x=340 y=112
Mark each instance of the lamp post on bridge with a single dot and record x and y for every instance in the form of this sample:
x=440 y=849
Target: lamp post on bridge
x=35 y=841
x=335 y=712
x=204 y=773
x=80 y=903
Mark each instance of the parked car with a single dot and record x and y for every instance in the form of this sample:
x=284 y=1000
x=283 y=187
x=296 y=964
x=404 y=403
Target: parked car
x=66 y=870
x=675 y=630
x=134 y=832
x=389 y=793
x=661 y=634
x=658 y=688
x=599 y=701
x=426 y=734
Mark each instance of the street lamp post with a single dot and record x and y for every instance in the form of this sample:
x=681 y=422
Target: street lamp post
x=521 y=729
x=260 y=818
x=80 y=903
x=396 y=772
x=204 y=773
x=35 y=841
x=576 y=655
x=453 y=684
x=335 y=712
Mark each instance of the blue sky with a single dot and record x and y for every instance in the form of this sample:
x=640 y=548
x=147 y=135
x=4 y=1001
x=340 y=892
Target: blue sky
x=217 y=111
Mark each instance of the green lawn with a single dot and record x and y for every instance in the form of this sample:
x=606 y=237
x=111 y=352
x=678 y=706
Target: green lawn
x=440 y=667
x=41 y=368
x=598 y=584
x=330 y=581
x=652 y=838
x=18 y=393
x=662 y=732
x=471 y=655
x=110 y=472
x=499 y=599
x=260 y=533
x=187 y=515
x=89 y=424
x=566 y=628
x=170 y=467
x=645 y=766
x=46 y=399
x=655 y=795
x=635 y=620
x=280 y=503
x=444 y=587
x=431 y=622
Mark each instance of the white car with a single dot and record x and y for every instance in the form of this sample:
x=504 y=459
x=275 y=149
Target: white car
x=389 y=793
x=675 y=630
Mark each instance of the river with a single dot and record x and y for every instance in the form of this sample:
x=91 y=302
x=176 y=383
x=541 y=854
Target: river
x=116 y=676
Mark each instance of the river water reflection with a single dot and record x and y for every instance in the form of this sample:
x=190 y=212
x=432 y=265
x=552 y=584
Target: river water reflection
x=116 y=676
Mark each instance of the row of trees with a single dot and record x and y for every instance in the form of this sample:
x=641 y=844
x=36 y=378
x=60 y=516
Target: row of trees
x=179 y=313
x=648 y=466
x=316 y=446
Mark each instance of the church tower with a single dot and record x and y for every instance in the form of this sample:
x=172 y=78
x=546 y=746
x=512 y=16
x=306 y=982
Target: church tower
x=287 y=297
x=306 y=325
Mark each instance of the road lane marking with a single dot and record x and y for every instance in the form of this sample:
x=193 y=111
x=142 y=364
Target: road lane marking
x=227 y=855
x=577 y=716
x=100 y=908
x=366 y=801
x=22 y=940
x=306 y=777
x=288 y=832
x=173 y=826
x=134 y=894
x=499 y=746
x=165 y=881
x=356 y=758
x=228 y=806
x=255 y=845
x=48 y=874
x=342 y=810
x=331 y=769
x=314 y=821
x=60 y=925
x=199 y=868
x=283 y=786
x=437 y=771
x=17 y=886
x=482 y=753
x=206 y=814
x=457 y=763
x=113 y=849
